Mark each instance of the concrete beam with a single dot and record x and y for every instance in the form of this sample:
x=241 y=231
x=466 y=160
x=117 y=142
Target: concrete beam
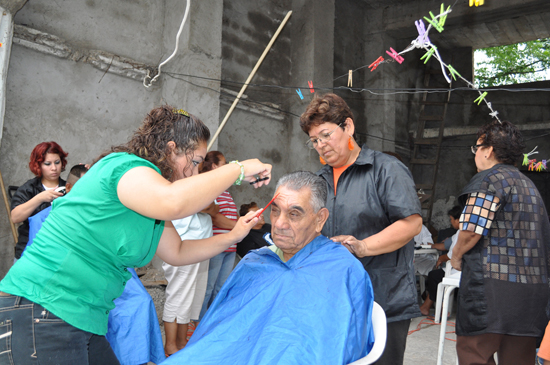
x=6 y=35
x=466 y=131
x=55 y=46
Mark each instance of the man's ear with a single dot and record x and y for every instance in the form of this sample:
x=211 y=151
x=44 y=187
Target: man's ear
x=322 y=216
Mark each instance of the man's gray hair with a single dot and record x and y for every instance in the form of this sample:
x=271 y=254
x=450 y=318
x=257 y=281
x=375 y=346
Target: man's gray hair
x=305 y=179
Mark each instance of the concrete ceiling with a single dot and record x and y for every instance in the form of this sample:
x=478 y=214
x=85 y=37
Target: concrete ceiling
x=496 y=23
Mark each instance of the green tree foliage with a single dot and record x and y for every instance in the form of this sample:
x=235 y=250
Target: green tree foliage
x=513 y=64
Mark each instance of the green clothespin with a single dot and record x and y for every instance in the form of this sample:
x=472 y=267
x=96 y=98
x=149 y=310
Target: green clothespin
x=453 y=72
x=438 y=23
x=480 y=99
x=429 y=54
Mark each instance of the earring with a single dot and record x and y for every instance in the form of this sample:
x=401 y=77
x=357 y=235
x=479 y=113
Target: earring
x=350 y=144
x=322 y=160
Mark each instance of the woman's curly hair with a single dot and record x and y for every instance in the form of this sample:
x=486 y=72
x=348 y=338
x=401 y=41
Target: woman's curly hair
x=505 y=138
x=162 y=125
x=325 y=108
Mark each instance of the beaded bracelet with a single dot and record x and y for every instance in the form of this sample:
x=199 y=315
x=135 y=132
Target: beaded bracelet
x=241 y=176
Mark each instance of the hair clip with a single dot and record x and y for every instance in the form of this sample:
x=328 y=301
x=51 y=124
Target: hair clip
x=180 y=111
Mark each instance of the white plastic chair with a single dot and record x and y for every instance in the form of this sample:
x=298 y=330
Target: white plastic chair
x=379 y=326
x=445 y=289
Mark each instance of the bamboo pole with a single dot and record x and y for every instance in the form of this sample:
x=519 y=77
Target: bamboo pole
x=13 y=231
x=222 y=124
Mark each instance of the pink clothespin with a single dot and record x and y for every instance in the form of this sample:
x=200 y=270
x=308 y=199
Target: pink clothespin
x=375 y=64
x=395 y=55
x=532 y=165
x=310 y=83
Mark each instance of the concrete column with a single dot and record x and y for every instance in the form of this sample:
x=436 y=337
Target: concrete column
x=312 y=53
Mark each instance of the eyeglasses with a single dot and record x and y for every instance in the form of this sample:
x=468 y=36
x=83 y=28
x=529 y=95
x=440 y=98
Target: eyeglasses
x=475 y=148
x=323 y=137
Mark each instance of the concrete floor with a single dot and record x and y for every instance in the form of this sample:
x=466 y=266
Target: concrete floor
x=422 y=345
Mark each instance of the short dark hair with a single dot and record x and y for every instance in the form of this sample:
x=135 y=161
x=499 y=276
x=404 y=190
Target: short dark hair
x=38 y=155
x=246 y=207
x=78 y=170
x=505 y=138
x=325 y=108
x=211 y=158
x=455 y=211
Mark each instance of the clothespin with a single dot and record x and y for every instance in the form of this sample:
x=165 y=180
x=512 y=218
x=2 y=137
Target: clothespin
x=532 y=165
x=526 y=156
x=421 y=28
x=350 y=81
x=453 y=72
x=310 y=83
x=544 y=164
x=476 y=2
x=480 y=98
x=375 y=64
x=538 y=166
x=438 y=23
x=300 y=94
x=429 y=54
x=395 y=55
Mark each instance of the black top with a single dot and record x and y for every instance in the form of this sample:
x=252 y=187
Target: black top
x=26 y=192
x=374 y=192
x=254 y=240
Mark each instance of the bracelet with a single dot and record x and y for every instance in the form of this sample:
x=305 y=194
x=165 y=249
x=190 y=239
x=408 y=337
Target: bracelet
x=241 y=176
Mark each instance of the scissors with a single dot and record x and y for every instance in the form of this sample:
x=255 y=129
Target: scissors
x=258 y=179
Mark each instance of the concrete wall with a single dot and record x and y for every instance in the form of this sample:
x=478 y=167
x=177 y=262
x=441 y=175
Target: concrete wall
x=87 y=110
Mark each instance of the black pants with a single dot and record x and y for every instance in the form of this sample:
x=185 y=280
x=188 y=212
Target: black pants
x=395 y=343
x=34 y=335
x=434 y=278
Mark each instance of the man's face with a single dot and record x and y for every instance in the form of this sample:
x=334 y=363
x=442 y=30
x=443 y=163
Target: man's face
x=293 y=222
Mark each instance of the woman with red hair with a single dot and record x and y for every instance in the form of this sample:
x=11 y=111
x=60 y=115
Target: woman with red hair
x=47 y=162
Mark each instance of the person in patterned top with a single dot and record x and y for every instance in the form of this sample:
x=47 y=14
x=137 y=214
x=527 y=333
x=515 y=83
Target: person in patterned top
x=223 y=221
x=503 y=252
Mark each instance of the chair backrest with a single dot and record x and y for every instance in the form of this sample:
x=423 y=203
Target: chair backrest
x=380 y=328
x=448 y=268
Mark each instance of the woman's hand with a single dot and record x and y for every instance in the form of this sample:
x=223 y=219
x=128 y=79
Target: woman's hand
x=256 y=167
x=357 y=247
x=243 y=226
x=48 y=196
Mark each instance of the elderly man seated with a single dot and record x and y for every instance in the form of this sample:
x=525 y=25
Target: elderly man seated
x=303 y=300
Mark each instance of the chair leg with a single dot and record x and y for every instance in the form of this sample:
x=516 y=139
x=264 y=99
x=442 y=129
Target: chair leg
x=443 y=329
x=438 y=302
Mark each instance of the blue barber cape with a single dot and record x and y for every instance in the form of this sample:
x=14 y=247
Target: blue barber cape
x=314 y=309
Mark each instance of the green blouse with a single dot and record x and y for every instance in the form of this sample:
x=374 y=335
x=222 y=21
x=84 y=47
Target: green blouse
x=77 y=263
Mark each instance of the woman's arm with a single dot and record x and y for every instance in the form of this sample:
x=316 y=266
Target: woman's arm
x=25 y=210
x=176 y=252
x=465 y=242
x=390 y=239
x=144 y=191
x=221 y=221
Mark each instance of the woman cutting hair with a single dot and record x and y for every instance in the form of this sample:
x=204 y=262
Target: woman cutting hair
x=47 y=162
x=503 y=249
x=57 y=298
x=374 y=212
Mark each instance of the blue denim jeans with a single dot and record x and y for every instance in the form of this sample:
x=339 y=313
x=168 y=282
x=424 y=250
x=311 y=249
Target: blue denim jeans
x=219 y=269
x=30 y=334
